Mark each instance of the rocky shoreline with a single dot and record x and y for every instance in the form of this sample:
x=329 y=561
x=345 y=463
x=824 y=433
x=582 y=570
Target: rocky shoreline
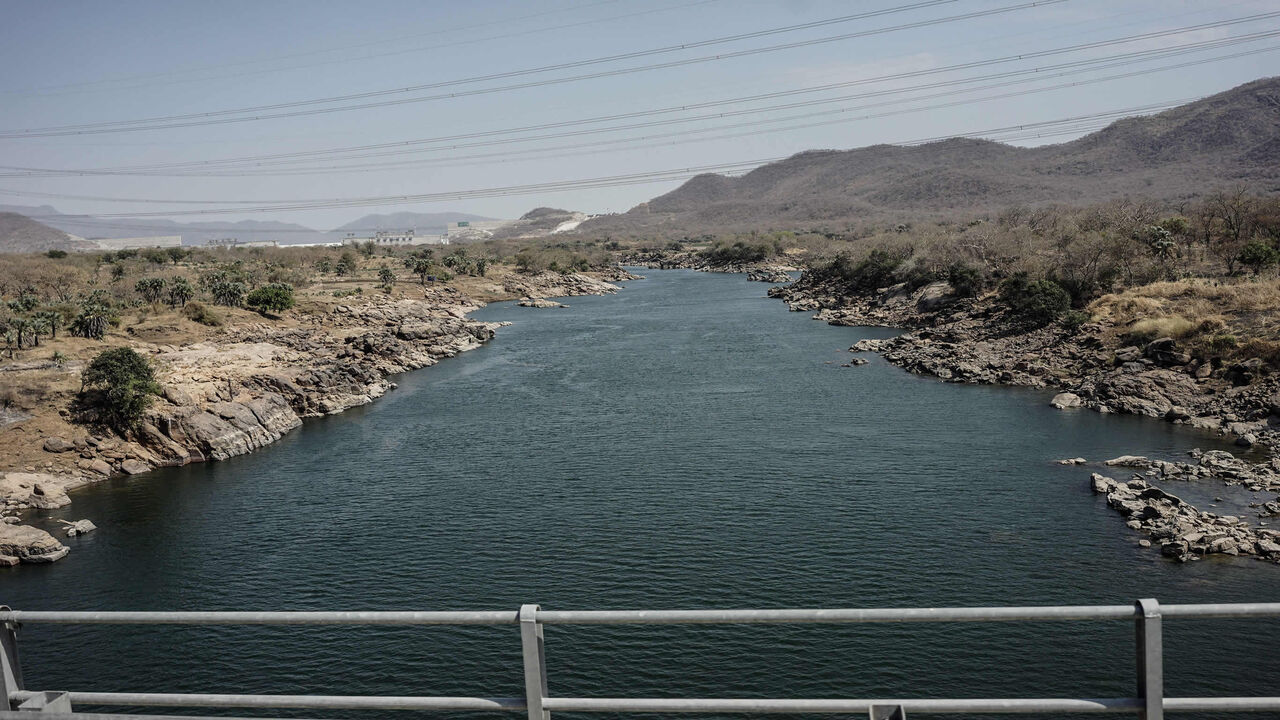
x=968 y=340
x=249 y=386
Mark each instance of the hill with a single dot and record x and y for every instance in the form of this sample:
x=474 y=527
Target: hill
x=1227 y=139
x=19 y=233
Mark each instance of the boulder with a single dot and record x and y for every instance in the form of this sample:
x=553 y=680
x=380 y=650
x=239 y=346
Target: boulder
x=1066 y=400
x=1073 y=461
x=30 y=544
x=58 y=445
x=935 y=296
x=134 y=467
x=1164 y=352
x=95 y=465
x=540 y=303
x=79 y=527
x=1128 y=461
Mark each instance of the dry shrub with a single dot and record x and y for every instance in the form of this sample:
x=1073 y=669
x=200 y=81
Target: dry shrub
x=1152 y=328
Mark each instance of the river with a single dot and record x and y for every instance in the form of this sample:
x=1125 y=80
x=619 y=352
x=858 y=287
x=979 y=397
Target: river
x=686 y=443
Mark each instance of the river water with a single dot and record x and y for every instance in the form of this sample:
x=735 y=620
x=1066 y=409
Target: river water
x=686 y=443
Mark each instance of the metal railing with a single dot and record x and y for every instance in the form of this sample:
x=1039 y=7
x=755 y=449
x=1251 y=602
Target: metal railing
x=1147 y=615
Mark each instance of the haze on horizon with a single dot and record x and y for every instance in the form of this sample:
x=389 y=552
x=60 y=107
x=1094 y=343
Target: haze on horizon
x=85 y=63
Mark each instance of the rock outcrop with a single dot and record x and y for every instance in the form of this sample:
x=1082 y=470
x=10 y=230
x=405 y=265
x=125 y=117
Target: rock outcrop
x=23 y=543
x=1184 y=532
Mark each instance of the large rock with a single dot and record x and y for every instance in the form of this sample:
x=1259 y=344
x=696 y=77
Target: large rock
x=935 y=296
x=1066 y=400
x=58 y=445
x=30 y=545
x=38 y=490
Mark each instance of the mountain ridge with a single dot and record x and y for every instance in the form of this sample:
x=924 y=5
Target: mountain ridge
x=1229 y=138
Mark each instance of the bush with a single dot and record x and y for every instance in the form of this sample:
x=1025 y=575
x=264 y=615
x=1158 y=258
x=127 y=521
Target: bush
x=271 y=299
x=874 y=271
x=201 y=313
x=228 y=293
x=56 y=254
x=180 y=291
x=1073 y=319
x=1258 y=255
x=119 y=386
x=965 y=281
x=1035 y=303
x=150 y=288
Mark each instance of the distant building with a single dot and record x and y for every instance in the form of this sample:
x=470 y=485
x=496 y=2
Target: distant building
x=236 y=242
x=393 y=238
x=138 y=243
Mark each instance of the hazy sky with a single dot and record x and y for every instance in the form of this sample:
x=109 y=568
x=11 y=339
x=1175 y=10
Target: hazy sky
x=73 y=63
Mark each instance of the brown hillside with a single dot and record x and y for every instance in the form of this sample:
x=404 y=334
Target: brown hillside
x=19 y=233
x=1227 y=139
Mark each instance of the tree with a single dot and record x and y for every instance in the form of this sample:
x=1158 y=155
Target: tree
x=422 y=268
x=180 y=292
x=119 y=386
x=93 y=319
x=228 y=293
x=53 y=320
x=1033 y=302
x=346 y=265
x=150 y=288
x=177 y=253
x=271 y=299
x=56 y=254
x=1258 y=255
x=387 y=277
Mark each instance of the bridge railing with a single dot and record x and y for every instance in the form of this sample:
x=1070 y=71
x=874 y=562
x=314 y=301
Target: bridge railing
x=1149 y=702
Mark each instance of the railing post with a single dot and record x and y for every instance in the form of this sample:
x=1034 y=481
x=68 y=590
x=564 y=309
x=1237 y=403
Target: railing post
x=535 y=662
x=10 y=668
x=1150 y=659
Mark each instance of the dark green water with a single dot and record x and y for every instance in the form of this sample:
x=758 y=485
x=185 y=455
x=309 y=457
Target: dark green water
x=684 y=444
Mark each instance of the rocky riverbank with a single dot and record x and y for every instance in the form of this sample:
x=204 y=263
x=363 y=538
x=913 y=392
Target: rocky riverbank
x=245 y=387
x=971 y=340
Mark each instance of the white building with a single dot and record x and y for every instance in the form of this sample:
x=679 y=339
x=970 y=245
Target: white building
x=138 y=243
x=394 y=238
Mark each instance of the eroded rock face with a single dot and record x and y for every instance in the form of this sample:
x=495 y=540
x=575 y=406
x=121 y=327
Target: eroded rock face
x=30 y=544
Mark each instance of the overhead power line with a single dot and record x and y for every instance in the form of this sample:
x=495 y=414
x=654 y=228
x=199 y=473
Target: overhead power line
x=586 y=183
x=263 y=111
x=399 y=148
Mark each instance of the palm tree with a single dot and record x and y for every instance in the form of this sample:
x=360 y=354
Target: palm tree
x=39 y=326
x=20 y=326
x=53 y=319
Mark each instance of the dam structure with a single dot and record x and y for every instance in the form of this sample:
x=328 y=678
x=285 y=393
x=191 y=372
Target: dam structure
x=1149 y=702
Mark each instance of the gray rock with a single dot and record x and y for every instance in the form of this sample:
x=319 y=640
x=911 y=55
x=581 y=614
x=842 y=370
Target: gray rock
x=58 y=445
x=1066 y=400
x=134 y=467
x=30 y=544
x=79 y=527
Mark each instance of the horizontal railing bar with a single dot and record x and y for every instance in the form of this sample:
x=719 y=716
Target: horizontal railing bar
x=1221 y=610
x=46 y=715
x=865 y=615
x=657 y=705
x=642 y=617
x=325 y=702
x=761 y=706
x=1222 y=704
x=484 y=617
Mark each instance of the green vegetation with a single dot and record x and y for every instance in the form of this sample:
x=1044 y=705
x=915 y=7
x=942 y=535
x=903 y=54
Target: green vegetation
x=271 y=299
x=118 y=387
x=1034 y=303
